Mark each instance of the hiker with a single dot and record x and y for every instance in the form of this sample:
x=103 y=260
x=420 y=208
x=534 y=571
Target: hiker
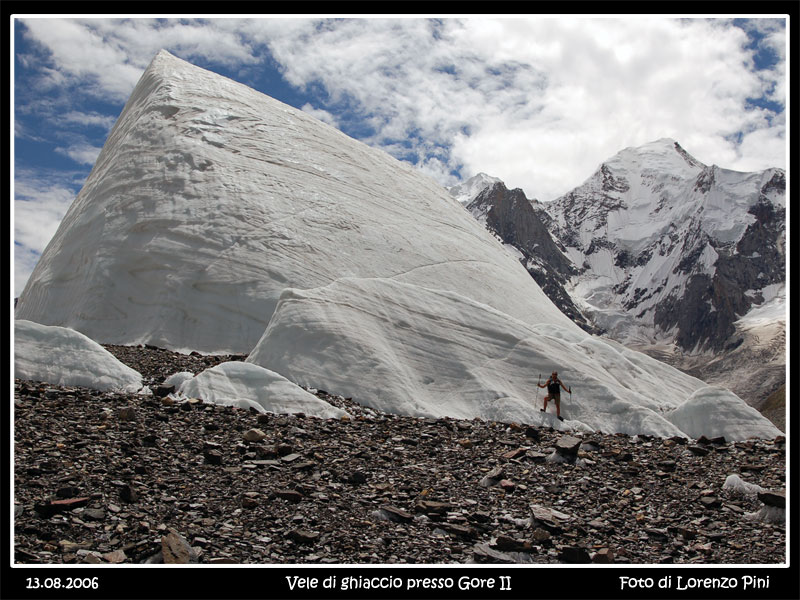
x=553 y=385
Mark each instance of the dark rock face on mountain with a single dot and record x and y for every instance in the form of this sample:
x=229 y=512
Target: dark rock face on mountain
x=515 y=220
x=712 y=303
x=512 y=216
x=109 y=478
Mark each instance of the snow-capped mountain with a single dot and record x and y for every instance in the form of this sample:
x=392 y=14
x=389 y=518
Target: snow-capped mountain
x=219 y=220
x=684 y=248
x=466 y=191
x=669 y=256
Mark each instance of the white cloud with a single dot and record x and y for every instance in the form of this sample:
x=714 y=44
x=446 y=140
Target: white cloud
x=108 y=55
x=544 y=100
x=319 y=114
x=438 y=171
x=90 y=119
x=82 y=153
x=539 y=101
x=39 y=206
x=763 y=146
x=85 y=57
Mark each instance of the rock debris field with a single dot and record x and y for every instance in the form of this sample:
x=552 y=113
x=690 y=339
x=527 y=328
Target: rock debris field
x=103 y=477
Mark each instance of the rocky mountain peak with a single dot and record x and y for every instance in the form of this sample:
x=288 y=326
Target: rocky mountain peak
x=663 y=227
x=466 y=191
x=645 y=163
x=664 y=250
x=523 y=225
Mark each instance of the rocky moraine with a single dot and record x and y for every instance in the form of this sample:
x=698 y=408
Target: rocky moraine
x=103 y=477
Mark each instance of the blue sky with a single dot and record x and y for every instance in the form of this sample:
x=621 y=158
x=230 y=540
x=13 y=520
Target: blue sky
x=538 y=101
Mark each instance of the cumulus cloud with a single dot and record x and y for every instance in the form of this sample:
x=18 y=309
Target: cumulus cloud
x=107 y=56
x=90 y=119
x=539 y=102
x=82 y=153
x=40 y=202
x=82 y=56
x=319 y=114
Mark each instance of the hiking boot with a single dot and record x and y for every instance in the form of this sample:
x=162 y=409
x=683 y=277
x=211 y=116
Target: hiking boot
x=560 y=418
x=541 y=410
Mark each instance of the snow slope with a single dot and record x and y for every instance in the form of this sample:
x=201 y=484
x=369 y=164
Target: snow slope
x=250 y=386
x=406 y=349
x=61 y=356
x=209 y=198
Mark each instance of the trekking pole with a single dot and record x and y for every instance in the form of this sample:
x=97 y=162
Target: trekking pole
x=570 y=400
x=537 y=390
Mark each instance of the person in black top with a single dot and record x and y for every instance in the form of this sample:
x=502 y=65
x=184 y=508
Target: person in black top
x=554 y=385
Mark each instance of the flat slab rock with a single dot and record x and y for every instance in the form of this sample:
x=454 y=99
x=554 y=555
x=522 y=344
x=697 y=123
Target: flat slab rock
x=107 y=478
x=568 y=445
x=777 y=498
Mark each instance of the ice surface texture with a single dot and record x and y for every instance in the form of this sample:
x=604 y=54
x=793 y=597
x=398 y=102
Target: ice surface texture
x=62 y=356
x=250 y=386
x=411 y=350
x=209 y=199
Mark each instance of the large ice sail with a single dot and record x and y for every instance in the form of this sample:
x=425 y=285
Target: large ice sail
x=209 y=198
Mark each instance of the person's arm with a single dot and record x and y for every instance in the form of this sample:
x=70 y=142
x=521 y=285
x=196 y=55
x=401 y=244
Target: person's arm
x=565 y=387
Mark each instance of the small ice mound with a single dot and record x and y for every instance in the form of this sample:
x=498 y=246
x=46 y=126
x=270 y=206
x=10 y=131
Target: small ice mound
x=557 y=458
x=774 y=515
x=249 y=386
x=577 y=426
x=177 y=379
x=714 y=411
x=736 y=484
x=62 y=356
